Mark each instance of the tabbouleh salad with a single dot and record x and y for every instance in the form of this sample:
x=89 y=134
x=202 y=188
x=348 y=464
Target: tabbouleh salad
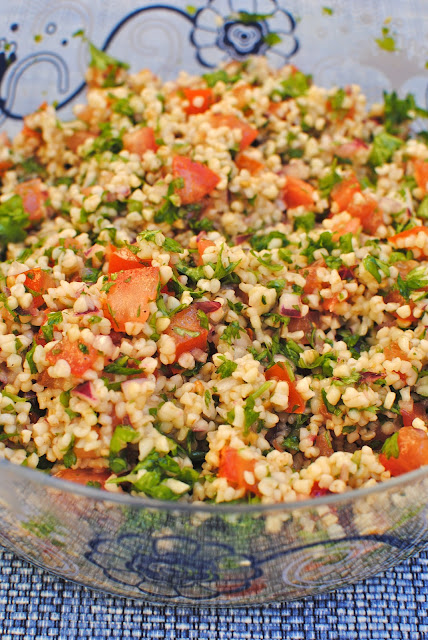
x=214 y=289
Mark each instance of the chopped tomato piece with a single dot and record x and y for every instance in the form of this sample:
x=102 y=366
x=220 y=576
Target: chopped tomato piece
x=421 y=174
x=317 y=492
x=240 y=94
x=306 y=324
x=199 y=100
x=368 y=213
x=407 y=452
x=38 y=281
x=199 y=181
x=244 y=161
x=140 y=141
x=185 y=328
x=77 y=138
x=296 y=404
x=349 y=149
x=393 y=351
x=411 y=410
x=341 y=228
x=404 y=240
x=395 y=296
x=233 y=467
x=323 y=442
x=80 y=356
x=5 y=165
x=129 y=294
x=27 y=132
x=311 y=274
x=343 y=192
x=328 y=304
x=249 y=133
x=83 y=476
x=123 y=259
x=297 y=192
x=203 y=244
x=34 y=196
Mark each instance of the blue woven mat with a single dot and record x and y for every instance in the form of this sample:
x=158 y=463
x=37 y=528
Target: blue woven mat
x=34 y=604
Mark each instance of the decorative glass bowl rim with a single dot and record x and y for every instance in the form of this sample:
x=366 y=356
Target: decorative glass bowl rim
x=124 y=499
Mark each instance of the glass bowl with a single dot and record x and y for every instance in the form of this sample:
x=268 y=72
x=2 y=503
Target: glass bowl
x=179 y=552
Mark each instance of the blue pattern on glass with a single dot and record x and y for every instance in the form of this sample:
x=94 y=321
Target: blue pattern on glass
x=219 y=31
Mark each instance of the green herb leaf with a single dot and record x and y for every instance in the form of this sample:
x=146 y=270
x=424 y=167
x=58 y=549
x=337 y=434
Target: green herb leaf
x=226 y=369
x=13 y=220
x=305 y=222
x=296 y=85
x=330 y=408
x=263 y=241
x=30 y=358
x=123 y=434
x=383 y=148
x=390 y=447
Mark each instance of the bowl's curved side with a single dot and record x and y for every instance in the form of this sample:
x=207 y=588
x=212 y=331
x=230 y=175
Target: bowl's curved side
x=219 y=558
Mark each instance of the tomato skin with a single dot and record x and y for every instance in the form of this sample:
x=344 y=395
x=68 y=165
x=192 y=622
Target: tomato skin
x=399 y=240
x=413 y=452
x=123 y=259
x=249 y=133
x=368 y=212
x=317 y=492
x=76 y=139
x=296 y=404
x=34 y=196
x=207 y=100
x=395 y=296
x=83 y=476
x=243 y=161
x=232 y=467
x=128 y=297
x=79 y=361
x=305 y=324
x=410 y=411
x=343 y=192
x=203 y=244
x=40 y=281
x=199 y=181
x=340 y=229
x=324 y=445
x=421 y=174
x=312 y=280
x=297 y=192
x=187 y=320
x=140 y=141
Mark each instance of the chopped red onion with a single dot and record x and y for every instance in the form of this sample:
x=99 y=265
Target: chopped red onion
x=86 y=392
x=242 y=238
x=371 y=376
x=208 y=306
x=291 y=313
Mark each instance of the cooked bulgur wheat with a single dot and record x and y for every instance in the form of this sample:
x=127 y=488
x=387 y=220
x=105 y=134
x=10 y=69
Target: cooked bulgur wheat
x=213 y=289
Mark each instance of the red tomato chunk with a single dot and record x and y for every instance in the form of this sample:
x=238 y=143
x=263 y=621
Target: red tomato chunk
x=406 y=450
x=233 y=467
x=129 y=294
x=198 y=180
x=187 y=332
x=79 y=355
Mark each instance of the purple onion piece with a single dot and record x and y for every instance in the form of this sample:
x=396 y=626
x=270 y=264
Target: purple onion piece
x=291 y=313
x=242 y=238
x=84 y=313
x=371 y=376
x=208 y=306
x=85 y=391
x=346 y=273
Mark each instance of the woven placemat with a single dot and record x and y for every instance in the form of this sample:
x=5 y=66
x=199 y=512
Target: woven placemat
x=34 y=604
